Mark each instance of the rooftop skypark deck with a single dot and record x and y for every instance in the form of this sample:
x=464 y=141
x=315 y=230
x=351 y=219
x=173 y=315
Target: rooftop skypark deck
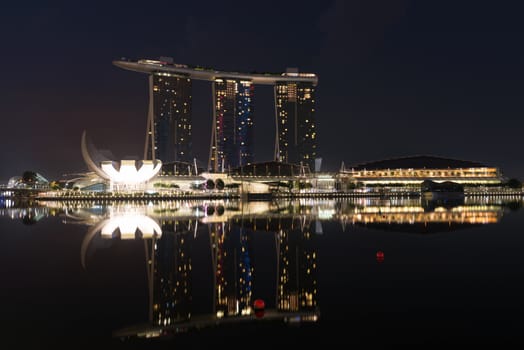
x=209 y=74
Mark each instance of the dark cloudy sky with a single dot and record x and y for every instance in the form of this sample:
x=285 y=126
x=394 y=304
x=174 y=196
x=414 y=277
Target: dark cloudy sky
x=396 y=78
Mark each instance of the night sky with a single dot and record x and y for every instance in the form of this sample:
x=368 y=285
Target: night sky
x=396 y=78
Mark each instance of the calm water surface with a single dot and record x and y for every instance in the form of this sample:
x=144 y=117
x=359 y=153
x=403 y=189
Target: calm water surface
x=357 y=271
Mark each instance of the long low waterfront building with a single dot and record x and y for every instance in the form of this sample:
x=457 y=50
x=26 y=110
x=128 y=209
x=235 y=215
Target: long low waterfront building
x=411 y=171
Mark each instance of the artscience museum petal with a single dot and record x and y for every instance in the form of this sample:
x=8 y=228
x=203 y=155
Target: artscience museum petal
x=125 y=175
x=131 y=171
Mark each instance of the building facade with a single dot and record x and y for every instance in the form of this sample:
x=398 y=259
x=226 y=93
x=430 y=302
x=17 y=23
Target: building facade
x=169 y=131
x=232 y=134
x=295 y=122
x=232 y=126
x=413 y=170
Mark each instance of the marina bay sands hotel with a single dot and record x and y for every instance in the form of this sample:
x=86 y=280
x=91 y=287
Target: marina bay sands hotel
x=169 y=121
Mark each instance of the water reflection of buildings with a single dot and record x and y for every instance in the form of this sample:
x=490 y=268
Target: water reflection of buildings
x=170 y=276
x=297 y=266
x=231 y=227
x=170 y=232
x=295 y=253
x=419 y=215
x=232 y=268
x=28 y=212
x=267 y=216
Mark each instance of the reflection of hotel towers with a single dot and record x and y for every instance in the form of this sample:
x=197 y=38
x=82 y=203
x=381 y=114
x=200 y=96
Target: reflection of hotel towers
x=232 y=268
x=297 y=266
x=169 y=265
x=232 y=129
x=169 y=268
x=234 y=273
x=168 y=135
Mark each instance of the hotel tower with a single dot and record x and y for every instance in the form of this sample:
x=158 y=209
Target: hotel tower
x=169 y=123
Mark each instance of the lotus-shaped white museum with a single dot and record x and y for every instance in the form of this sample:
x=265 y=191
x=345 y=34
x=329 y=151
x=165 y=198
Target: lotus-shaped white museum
x=126 y=175
x=131 y=172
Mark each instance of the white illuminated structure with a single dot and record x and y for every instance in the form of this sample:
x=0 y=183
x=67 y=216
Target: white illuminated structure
x=129 y=175
x=126 y=175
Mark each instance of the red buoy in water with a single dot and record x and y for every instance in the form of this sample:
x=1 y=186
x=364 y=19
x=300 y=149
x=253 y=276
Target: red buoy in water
x=259 y=304
x=380 y=256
